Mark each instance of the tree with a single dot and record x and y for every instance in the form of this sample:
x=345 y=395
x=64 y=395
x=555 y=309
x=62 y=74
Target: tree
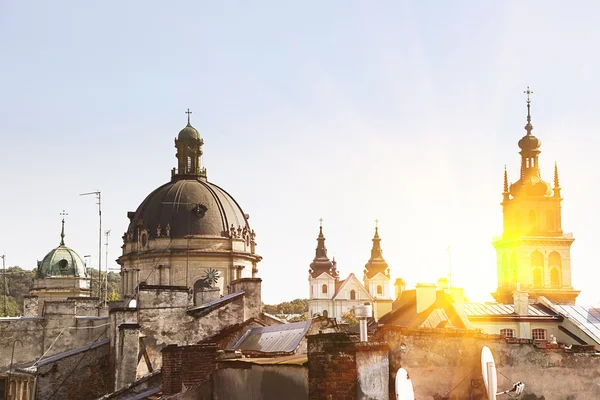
x=18 y=283
x=114 y=284
x=12 y=308
x=349 y=318
x=297 y=306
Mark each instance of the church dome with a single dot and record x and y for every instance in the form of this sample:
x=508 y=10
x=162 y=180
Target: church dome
x=190 y=206
x=529 y=142
x=61 y=261
x=189 y=132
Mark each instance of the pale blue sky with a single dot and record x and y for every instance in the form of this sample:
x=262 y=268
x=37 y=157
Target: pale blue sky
x=349 y=111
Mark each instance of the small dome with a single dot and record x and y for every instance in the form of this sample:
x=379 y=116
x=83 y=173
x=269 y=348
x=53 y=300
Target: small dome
x=531 y=186
x=61 y=261
x=529 y=142
x=189 y=132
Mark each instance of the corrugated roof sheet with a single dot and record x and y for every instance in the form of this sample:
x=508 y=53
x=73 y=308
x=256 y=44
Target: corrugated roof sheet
x=497 y=310
x=283 y=338
x=586 y=318
x=217 y=301
x=295 y=359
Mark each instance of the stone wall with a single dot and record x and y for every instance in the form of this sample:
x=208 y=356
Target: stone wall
x=249 y=381
x=340 y=367
x=81 y=375
x=445 y=364
x=65 y=325
x=186 y=366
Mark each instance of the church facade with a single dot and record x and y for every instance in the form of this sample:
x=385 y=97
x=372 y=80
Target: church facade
x=328 y=295
x=533 y=253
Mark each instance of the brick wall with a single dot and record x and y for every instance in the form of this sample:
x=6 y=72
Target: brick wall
x=333 y=371
x=187 y=366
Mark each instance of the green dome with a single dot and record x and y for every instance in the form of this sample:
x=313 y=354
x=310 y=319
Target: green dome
x=61 y=261
x=189 y=132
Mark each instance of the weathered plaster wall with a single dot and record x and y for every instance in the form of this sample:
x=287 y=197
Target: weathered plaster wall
x=81 y=376
x=65 y=325
x=439 y=360
x=244 y=380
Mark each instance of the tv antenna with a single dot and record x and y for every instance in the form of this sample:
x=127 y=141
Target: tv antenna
x=5 y=287
x=107 y=234
x=98 y=195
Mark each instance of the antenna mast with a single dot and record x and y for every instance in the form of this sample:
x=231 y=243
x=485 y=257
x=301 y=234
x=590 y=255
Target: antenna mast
x=98 y=195
x=449 y=267
x=4 y=277
x=107 y=233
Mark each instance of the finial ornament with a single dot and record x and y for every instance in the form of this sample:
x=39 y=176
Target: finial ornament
x=62 y=232
x=376 y=223
x=528 y=127
x=321 y=222
x=188 y=112
x=556 y=175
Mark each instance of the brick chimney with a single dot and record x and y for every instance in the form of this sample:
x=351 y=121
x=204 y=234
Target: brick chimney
x=426 y=293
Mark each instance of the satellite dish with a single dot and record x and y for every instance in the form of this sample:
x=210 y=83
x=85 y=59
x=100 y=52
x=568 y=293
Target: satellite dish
x=404 y=387
x=488 y=371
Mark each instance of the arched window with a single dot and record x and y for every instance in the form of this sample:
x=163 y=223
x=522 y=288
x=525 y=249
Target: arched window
x=538 y=277
x=537 y=267
x=352 y=295
x=514 y=269
x=379 y=289
x=532 y=220
x=324 y=289
x=554 y=260
x=189 y=165
x=555 y=278
x=504 y=271
x=550 y=220
x=517 y=221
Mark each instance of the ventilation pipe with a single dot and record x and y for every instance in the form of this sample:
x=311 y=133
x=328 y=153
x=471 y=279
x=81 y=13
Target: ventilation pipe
x=363 y=313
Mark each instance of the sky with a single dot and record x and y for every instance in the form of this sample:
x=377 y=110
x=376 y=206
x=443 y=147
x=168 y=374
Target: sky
x=350 y=111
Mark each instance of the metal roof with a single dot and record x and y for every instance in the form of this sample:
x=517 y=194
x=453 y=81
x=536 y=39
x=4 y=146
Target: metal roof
x=283 y=338
x=217 y=301
x=585 y=318
x=294 y=359
x=499 y=310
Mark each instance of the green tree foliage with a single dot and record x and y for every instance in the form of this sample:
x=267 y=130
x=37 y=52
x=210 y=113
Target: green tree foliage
x=12 y=309
x=114 y=284
x=349 y=318
x=18 y=283
x=297 y=306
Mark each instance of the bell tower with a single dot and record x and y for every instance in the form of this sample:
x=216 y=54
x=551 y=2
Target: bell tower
x=189 y=153
x=533 y=253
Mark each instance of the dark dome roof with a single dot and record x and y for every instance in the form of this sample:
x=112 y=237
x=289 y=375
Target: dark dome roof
x=189 y=132
x=188 y=206
x=529 y=142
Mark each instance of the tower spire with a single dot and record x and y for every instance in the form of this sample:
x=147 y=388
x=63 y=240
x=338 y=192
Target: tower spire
x=556 y=183
x=528 y=127
x=505 y=193
x=376 y=252
x=62 y=231
x=188 y=112
x=321 y=251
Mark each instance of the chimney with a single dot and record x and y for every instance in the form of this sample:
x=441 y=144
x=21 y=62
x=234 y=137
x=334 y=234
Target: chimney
x=426 y=293
x=443 y=284
x=400 y=287
x=521 y=301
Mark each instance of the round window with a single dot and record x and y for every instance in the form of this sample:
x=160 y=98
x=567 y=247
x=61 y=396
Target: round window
x=63 y=264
